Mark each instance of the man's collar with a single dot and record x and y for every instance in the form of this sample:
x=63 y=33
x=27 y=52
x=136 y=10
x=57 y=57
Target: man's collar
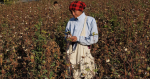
x=81 y=17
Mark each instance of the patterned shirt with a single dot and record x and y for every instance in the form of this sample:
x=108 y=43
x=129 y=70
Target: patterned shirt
x=75 y=27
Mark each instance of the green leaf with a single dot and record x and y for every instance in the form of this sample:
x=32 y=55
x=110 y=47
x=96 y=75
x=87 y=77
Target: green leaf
x=43 y=31
x=51 y=74
x=115 y=73
x=53 y=64
x=95 y=70
x=45 y=71
x=105 y=26
x=67 y=76
x=93 y=33
x=87 y=69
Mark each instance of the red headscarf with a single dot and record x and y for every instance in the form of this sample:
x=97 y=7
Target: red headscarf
x=77 y=5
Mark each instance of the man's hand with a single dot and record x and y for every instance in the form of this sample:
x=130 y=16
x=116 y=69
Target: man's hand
x=73 y=38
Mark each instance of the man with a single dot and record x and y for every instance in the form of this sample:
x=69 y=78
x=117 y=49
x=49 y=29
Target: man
x=81 y=28
x=56 y=9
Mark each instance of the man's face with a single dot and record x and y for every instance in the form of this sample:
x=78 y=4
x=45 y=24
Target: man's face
x=55 y=4
x=76 y=13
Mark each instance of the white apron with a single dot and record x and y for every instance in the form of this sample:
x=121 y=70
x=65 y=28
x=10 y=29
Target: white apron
x=81 y=59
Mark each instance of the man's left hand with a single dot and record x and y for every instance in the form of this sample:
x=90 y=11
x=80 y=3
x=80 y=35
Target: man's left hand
x=73 y=38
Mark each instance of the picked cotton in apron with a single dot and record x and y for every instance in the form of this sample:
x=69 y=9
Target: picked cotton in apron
x=82 y=62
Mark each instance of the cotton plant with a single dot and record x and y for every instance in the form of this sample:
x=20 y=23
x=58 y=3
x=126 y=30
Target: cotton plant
x=68 y=64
